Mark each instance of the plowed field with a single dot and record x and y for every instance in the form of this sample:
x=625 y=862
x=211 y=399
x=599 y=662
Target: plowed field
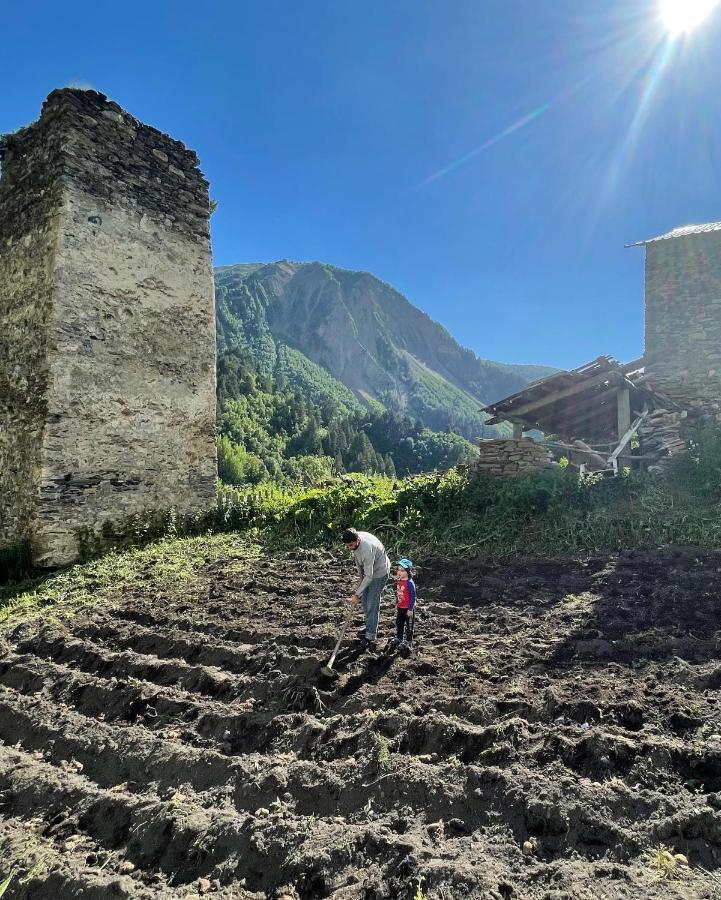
x=556 y=723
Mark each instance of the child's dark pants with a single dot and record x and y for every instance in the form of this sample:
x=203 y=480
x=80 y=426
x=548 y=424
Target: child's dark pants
x=404 y=625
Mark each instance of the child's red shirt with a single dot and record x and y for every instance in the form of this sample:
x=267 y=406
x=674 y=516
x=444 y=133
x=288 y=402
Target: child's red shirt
x=405 y=593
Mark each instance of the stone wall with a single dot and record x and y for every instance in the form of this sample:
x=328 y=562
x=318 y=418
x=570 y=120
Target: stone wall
x=30 y=203
x=511 y=457
x=114 y=319
x=683 y=319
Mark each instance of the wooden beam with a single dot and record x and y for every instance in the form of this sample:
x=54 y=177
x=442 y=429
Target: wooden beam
x=623 y=408
x=624 y=427
x=549 y=399
x=627 y=436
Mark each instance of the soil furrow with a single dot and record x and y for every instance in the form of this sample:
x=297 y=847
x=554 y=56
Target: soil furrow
x=556 y=722
x=94 y=658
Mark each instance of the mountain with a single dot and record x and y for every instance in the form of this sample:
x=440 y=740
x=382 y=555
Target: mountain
x=347 y=335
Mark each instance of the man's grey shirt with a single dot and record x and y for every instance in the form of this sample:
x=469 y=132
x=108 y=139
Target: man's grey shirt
x=371 y=559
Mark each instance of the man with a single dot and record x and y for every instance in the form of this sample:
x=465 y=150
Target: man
x=374 y=568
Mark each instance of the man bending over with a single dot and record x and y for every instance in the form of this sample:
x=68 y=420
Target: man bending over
x=374 y=568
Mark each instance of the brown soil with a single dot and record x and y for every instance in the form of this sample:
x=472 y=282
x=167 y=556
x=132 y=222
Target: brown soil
x=158 y=750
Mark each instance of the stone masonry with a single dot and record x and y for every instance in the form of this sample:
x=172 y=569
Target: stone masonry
x=107 y=327
x=510 y=457
x=683 y=319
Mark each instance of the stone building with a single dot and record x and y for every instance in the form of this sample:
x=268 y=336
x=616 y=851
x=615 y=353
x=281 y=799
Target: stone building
x=654 y=402
x=683 y=315
x=107 y=327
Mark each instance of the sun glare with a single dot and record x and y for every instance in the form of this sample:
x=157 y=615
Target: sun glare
x=681 y=16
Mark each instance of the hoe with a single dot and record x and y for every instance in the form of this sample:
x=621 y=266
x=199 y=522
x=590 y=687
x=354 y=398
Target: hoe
x=328 y=670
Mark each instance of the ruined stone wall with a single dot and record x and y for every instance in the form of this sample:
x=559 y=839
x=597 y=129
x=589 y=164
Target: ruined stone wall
x=510 y=456
x=683 y=319
x=129 y=406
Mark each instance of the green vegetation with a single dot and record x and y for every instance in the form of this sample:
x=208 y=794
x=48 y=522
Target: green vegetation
x=420 y=894
x=175 y=565
x=270 y=431
x=347 y=326
x=453 y=514
x=543 y=513
x=665 y=865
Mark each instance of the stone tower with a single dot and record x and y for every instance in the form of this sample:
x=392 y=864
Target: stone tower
x=107 y=327
x=683 y=315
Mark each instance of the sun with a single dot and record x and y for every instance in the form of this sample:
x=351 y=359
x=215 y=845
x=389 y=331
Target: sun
x=681 y=16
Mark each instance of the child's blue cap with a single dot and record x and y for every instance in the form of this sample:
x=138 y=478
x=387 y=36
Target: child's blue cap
x=405 y=563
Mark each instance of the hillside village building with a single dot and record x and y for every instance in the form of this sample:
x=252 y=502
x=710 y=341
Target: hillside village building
x=107 y=327
x=595 y=411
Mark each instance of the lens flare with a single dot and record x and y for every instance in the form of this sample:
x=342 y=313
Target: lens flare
x=513 y=127
x=681 y=16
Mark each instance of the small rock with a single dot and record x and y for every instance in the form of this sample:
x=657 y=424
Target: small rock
x=71 y=842
x=261 y=813
x=529 y=847
x=203 y=885
x=126 y=866
x=681 y=859
x=436 y=830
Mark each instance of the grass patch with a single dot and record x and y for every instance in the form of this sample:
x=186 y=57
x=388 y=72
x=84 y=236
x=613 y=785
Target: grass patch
x=381 y=750
x=5 y=884
x=171 y=568
x=665 y=865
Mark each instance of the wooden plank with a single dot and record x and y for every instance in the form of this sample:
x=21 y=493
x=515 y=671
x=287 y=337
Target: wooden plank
x=623 y=427
x=554 y=397
x=623 y=408
x=627 y=436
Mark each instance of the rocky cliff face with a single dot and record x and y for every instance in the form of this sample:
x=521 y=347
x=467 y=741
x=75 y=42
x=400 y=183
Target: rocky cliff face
x=366 y=335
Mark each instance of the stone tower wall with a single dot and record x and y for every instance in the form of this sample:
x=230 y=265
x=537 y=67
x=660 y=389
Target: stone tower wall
x=683 y=319
x=128 y=407
x=30 y=202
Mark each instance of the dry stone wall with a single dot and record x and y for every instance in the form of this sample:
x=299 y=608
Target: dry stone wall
x=511 y=457
x=107 y=343
x=683 y=320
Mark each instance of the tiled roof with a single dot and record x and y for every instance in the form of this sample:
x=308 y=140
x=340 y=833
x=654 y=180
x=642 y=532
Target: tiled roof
x=680 y=232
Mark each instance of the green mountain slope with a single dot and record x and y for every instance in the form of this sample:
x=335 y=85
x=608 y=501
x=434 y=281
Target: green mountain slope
x=349 y=337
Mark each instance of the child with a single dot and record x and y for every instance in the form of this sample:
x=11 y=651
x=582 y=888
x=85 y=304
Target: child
x=405 y=605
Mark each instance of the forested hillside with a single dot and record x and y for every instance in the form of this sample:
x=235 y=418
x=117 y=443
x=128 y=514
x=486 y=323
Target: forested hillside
x=349 y=337
x=297 y=424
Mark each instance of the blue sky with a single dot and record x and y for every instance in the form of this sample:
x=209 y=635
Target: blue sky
x=489 y=158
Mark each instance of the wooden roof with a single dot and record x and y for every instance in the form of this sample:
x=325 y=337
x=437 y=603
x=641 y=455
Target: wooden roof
x=581 y=403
